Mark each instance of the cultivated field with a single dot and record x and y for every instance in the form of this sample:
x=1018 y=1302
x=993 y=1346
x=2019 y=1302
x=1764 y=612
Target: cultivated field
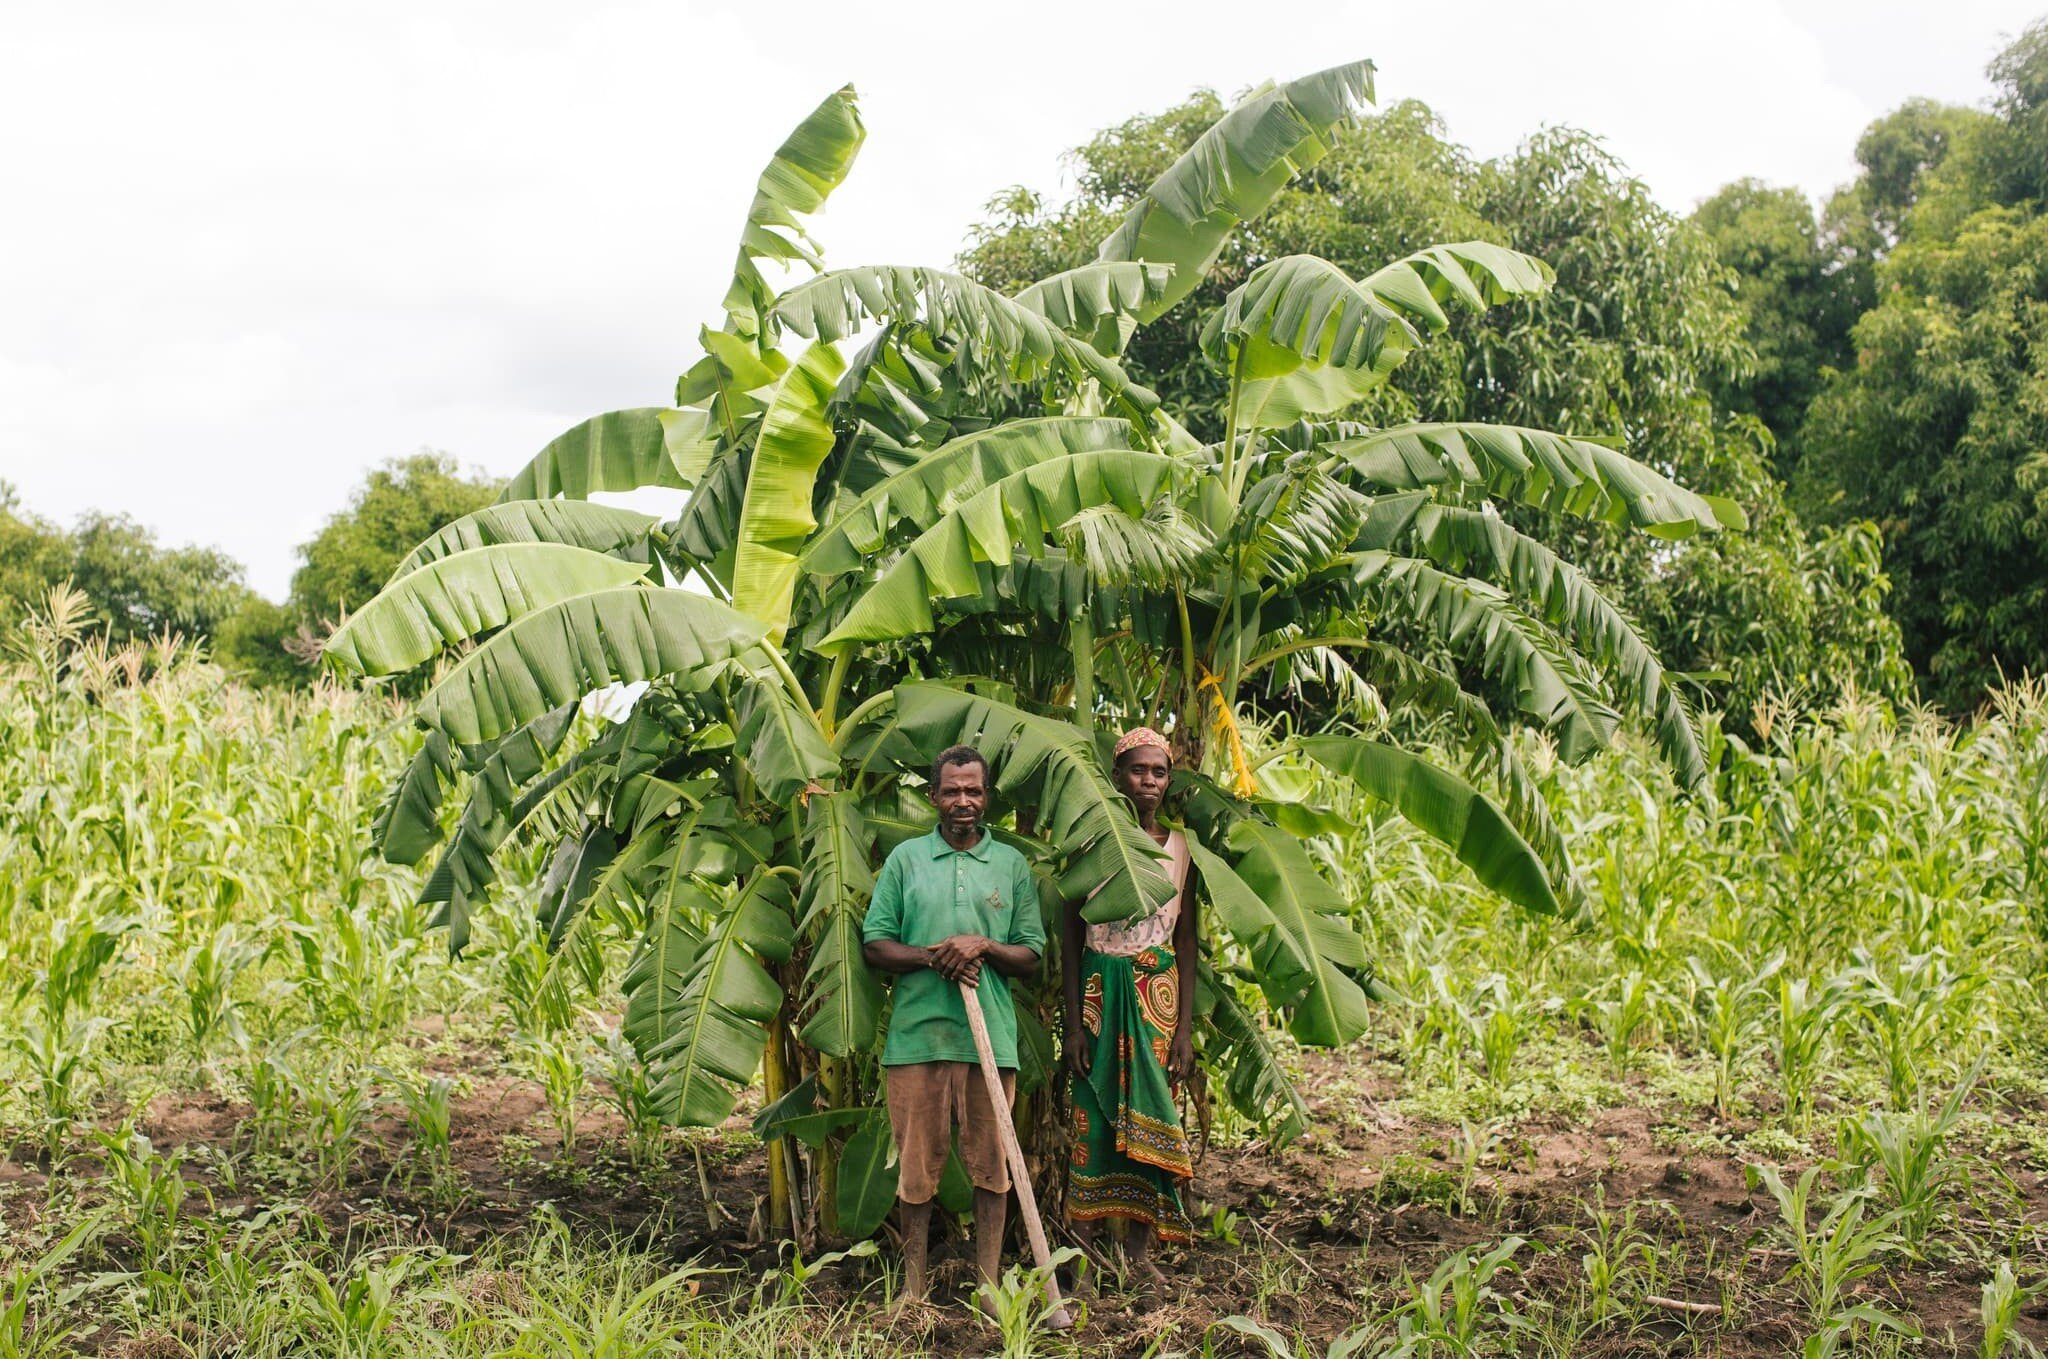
x=1781 y=1092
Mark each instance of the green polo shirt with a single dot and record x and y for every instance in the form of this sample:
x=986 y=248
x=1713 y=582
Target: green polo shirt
x=929 y=891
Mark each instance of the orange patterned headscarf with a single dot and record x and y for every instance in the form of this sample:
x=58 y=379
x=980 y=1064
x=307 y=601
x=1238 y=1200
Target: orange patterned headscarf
x=1141 y=736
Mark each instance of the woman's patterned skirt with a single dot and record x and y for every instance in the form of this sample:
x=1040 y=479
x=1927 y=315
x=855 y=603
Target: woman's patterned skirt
x=1130 y=1155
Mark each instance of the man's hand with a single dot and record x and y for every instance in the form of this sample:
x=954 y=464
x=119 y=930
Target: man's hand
x=1180 y=1057
x=959 y=958
x=1079 y=1058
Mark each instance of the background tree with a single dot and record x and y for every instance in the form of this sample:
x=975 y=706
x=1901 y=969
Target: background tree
x=341 y=567
x=400 y=504
x=1930 y=424
x=34 y=556
x=1798 y=301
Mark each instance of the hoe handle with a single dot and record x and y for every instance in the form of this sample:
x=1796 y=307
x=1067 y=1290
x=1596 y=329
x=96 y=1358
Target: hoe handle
x=1033 y=1228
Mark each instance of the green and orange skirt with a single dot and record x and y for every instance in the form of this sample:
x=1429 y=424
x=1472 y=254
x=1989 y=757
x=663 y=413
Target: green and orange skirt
x=1130 y=1156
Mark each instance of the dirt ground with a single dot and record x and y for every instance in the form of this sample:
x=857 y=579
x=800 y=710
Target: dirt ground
x=1302 y=1238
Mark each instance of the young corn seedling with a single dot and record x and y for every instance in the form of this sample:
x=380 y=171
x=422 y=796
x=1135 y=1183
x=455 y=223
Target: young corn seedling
x=1277 y=1346
x=57 y=1054
x=1998 y=1311
x=1616 y=1253
x=204 y=977
x=1799 y=1041
x=1624 y=1017
x=429 y=1116
x=559 y=1067
x=1845 y=1246
x=1452 y=1311
x=1926 y=1005
x=633 y=1096
x=1729 y=1015
x=1018 y=1305
x=1911 y=1149
x=151 y=1187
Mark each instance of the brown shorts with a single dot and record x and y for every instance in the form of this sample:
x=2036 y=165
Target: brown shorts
x=927 y=1101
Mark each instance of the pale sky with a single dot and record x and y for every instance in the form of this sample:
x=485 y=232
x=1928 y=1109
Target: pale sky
x=251 y=250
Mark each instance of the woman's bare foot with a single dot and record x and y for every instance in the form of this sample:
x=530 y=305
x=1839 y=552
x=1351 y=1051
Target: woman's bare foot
x=1149 y=1287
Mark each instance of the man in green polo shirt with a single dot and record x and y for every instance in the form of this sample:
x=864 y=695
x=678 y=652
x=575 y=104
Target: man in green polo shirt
x=945 y=905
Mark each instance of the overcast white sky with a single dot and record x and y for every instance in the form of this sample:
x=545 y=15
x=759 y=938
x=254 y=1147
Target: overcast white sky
x=250 y=250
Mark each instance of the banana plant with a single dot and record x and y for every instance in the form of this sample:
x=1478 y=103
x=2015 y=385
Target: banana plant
x=916 y=512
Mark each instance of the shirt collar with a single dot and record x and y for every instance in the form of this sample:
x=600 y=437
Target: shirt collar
x=940 y=849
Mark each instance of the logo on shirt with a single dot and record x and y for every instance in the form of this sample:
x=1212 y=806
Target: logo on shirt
x=994 y=902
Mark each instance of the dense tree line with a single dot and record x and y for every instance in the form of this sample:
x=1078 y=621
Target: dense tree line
x=1902 y=364
x=141 y=588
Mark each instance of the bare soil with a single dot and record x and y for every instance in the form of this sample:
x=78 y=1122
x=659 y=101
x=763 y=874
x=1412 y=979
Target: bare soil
x=1308 y=1238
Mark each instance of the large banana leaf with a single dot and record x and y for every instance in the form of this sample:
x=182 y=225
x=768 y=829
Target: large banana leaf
x=409 y=822
x=464 y=871
x=1283 y=971
x=780 y=743
x=1273 y=866
x=989 y=526
x=949 y=474
x=1052 y=765
x=1303 y=311
x=658 y=974
x=1477 y=273
x=990 y=336
x=1404 y=680
x=775 y=516
x=1303 y=339
x=1446 y=807
x=1096 y=301
x=703 y=1038
x=1291 y=526
x=1479 y=620
x=843 y=996
x=811 y=162
x=1256 y=1083
x=704 y=532
x=564 y=652
x=1232 y=172
x=1573 y=476
x=616 y=451
x=576 y=523
x=572 y=874
x=471 y=592
x=1459 y=539
x=867 y=1177
x=502 y=794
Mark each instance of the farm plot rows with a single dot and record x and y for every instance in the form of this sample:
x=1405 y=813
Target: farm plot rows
x=1782 y=1091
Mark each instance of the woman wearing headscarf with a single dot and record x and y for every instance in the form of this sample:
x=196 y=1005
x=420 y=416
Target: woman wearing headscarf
x=1129 y=993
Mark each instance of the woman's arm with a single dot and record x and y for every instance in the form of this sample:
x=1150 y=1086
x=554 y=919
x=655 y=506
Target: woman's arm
x=1073 y=938
x=1187 y=940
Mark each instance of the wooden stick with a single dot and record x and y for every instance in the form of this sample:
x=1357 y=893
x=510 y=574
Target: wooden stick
x=1020 y=1175
x=1705 y=1309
